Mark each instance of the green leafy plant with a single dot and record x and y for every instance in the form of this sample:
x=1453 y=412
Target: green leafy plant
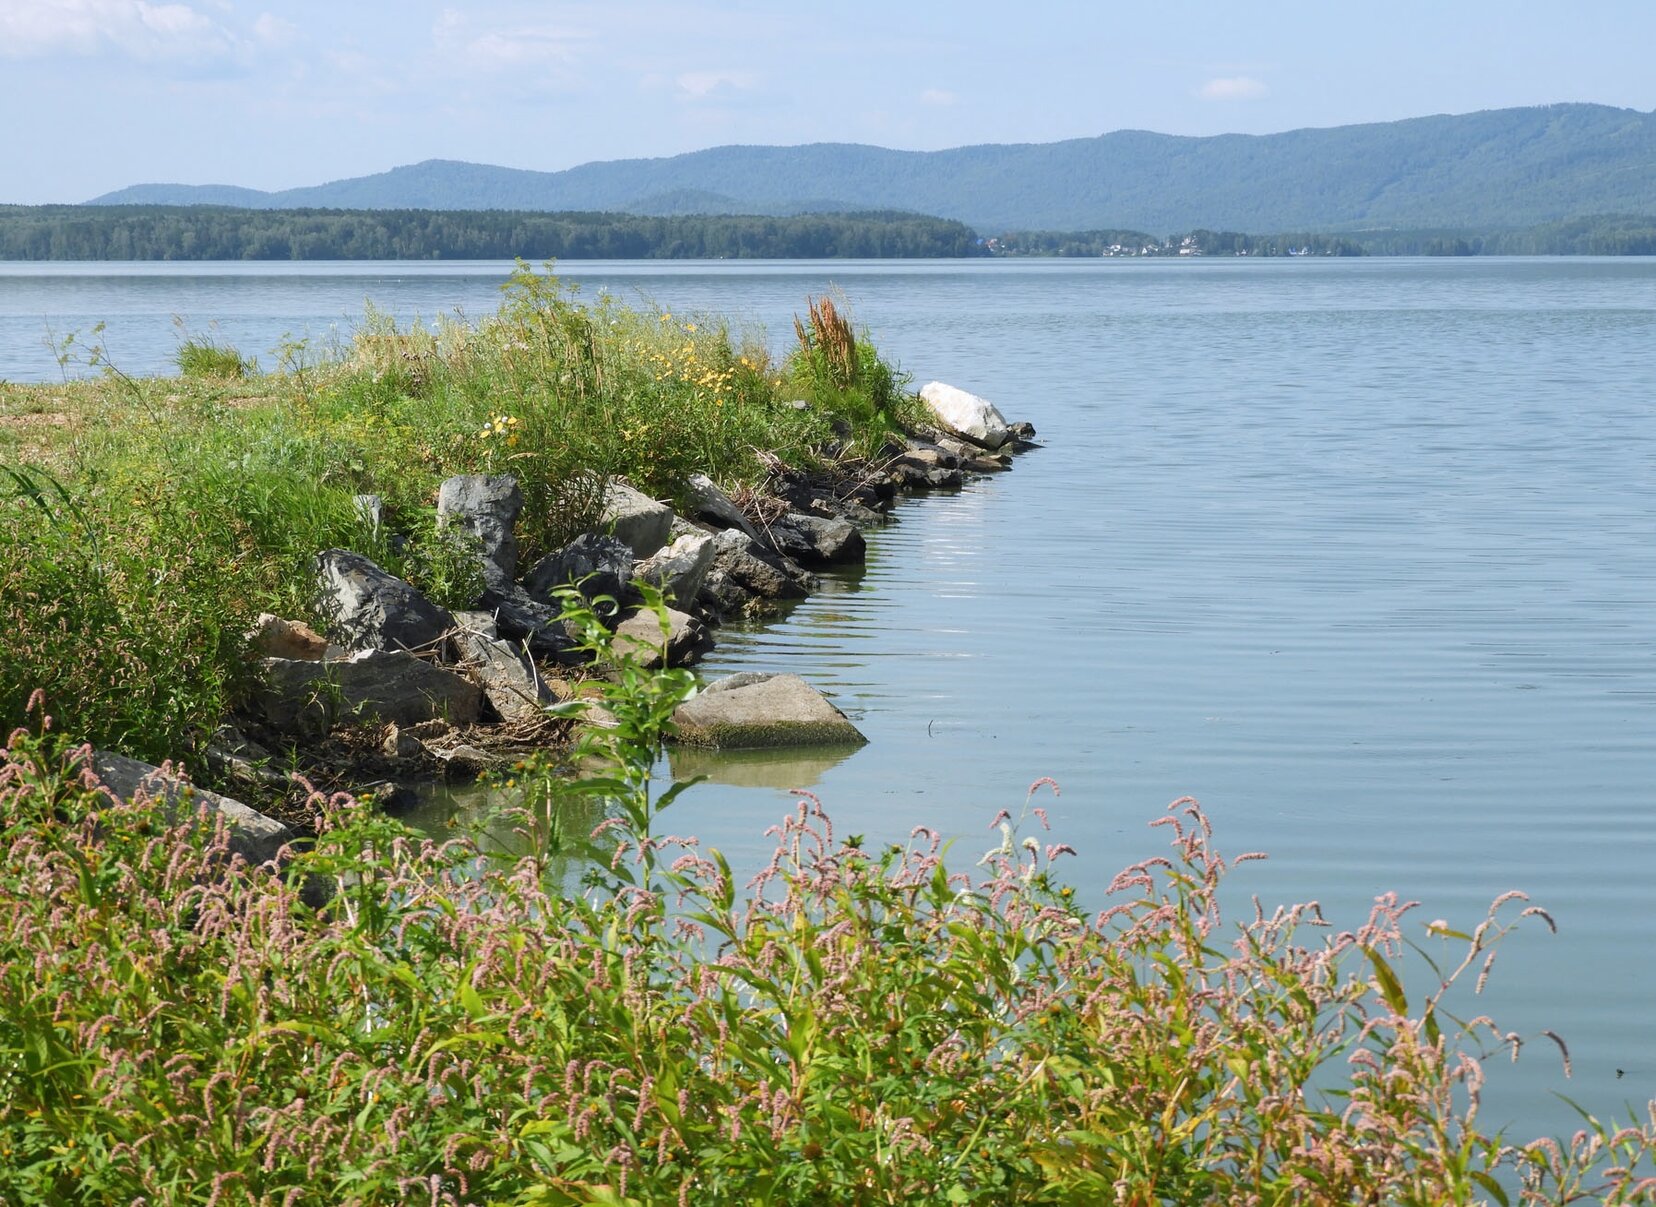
x=857 y=1025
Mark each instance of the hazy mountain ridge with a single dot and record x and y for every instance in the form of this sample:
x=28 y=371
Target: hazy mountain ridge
x=1495 y=168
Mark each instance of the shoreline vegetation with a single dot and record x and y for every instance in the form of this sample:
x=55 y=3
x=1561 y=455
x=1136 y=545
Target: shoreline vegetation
x=369 y=1016
x=199 y=233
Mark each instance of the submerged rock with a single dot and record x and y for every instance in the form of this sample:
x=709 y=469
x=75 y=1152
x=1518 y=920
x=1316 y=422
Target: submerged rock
x=755 y=709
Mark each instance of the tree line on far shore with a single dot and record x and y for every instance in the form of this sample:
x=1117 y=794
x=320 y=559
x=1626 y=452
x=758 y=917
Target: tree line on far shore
x=142 y=232
x=75 y=232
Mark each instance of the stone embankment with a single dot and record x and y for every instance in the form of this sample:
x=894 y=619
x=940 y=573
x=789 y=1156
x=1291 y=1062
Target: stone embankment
x=450 y=688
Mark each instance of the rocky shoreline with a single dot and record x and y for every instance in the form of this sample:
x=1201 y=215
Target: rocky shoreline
x=400 y=690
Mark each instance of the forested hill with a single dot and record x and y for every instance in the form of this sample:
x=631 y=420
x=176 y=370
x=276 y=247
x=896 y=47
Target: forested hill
x=68 y=232
x=1495 y=169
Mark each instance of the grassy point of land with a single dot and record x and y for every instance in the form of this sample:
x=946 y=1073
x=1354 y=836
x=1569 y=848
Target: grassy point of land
x=148 y=521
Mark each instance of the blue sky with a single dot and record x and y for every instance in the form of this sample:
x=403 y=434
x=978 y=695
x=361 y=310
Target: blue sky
x=97 y=94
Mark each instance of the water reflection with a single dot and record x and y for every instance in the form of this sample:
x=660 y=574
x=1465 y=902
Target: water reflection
x=784 y=770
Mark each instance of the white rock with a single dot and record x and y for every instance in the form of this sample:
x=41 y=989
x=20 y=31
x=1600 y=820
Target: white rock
x=966 y=414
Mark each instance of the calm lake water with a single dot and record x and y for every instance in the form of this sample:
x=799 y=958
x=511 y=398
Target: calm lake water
x=1360 y=553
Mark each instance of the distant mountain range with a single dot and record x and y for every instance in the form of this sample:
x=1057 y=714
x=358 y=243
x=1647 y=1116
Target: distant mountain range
x=1495 y=169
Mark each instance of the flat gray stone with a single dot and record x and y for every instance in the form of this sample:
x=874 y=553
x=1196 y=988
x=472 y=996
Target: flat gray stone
x=253 y=836
x=506 y=674
x=382 y=685
x=755 y=709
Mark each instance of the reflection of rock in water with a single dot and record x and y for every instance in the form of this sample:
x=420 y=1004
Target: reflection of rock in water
x=798 y=767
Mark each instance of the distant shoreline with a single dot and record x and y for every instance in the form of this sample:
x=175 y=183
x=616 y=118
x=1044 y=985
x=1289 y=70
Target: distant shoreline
x=145 y=233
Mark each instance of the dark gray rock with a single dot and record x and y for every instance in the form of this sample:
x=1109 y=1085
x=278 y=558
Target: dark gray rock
x=593 y=564
x=253 y=836
x=814 y=540
x=368 y=608
x=755 y=709
x=370 y=685
x=755 y=570
x=487 y=507
x=711 y=505
x=520 y=618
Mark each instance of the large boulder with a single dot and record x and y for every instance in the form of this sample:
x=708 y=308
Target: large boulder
x=712 y=506
x=595 y=565
x=370 y=685
x=368 y=608
x=966 y=415
x=686 y=641
x=507 y=675
x=680 y=569
x=747 y=577
x=487 y=507
x=520 y=618
x=758 y=709
x=632 y=516
x=253 y=836
x=813 y=540
x=758 y=569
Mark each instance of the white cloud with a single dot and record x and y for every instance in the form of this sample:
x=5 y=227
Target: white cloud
x=273 y=31
x=42 y=28
x=940 y=97
x=493 y=49
x=1232 y=88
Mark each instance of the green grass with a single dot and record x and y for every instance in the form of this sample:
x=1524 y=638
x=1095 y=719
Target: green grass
x=180 y=508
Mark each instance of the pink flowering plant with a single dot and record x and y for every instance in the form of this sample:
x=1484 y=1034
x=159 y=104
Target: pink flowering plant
x=383 y=1018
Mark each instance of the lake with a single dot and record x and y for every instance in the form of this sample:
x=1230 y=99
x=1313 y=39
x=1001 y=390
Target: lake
x=1361 y=553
